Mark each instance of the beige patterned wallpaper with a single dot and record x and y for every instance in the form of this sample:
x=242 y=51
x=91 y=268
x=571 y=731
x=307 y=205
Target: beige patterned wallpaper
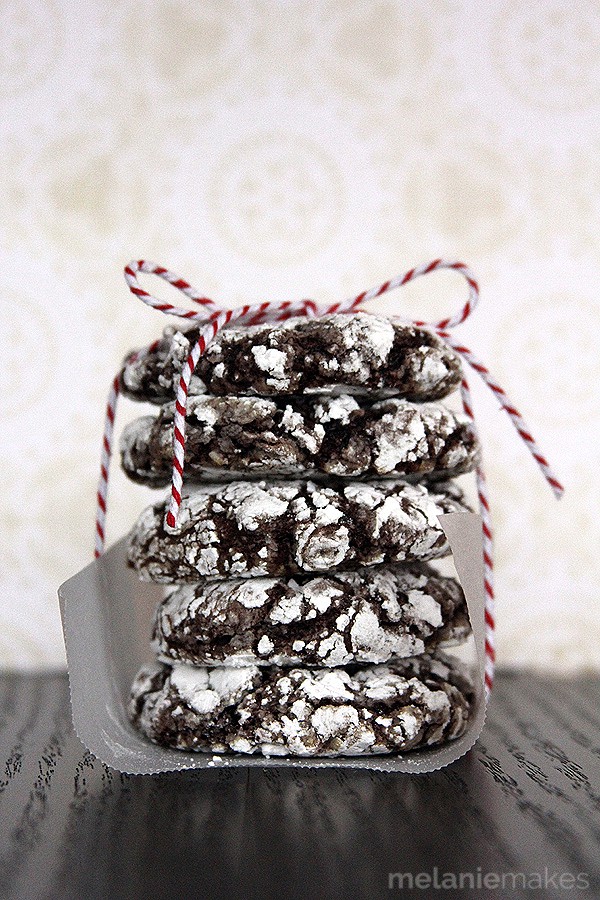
x=275 y=150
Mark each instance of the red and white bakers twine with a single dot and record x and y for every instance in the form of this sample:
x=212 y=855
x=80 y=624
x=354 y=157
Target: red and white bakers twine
x=214 y=319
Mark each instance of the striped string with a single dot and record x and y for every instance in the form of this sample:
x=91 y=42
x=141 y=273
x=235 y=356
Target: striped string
x=212 y=319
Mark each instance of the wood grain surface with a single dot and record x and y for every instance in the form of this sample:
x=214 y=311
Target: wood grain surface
x=525 y=801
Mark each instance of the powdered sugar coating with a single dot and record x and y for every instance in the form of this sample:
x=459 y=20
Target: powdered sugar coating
x=204 y=690
x=263 y=528
x=359 y=351
x=302 y=436
x=368 y=616
x=302 y=712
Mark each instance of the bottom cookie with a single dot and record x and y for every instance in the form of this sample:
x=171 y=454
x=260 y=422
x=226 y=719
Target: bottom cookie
x=353 y=711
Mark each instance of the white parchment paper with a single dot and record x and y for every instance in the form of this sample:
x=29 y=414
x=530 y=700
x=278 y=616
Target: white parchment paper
x=107 y=616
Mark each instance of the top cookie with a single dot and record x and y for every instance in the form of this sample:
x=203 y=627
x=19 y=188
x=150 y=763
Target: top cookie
x=358 y=353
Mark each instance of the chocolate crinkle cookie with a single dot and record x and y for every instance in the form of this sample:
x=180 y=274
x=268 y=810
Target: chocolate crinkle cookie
x=246 y=529
x=361 y=352
x=302 y=436
x=370 y=616
x=394 y=708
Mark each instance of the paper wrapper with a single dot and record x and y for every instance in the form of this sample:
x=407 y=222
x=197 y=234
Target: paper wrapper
x=107 y=616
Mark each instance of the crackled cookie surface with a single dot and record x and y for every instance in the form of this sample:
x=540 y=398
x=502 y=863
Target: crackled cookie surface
x=302 y=436
x=358 y=351
x=368 y=616
x=259 y=528
x=303 y=712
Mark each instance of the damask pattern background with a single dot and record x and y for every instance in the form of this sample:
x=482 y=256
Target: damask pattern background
x=271 y=150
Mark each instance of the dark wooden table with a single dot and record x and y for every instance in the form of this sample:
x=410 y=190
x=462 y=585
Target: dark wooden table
x=525 y=804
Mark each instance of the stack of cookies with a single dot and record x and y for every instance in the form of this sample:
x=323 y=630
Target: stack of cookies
x=303 y=616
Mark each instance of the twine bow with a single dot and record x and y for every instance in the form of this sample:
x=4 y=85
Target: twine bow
x=212 y=319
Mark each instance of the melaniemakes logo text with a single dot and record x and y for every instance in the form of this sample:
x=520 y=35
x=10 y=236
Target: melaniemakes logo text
x=491 y=881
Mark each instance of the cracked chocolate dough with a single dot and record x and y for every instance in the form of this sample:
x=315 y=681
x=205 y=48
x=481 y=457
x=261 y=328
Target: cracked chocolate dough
x=369 y=616
x=247 y=529
x=304 y=712
x=360 y=352
x=302 y=436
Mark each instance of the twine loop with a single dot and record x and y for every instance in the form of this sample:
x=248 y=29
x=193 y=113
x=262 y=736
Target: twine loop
x=211 y=319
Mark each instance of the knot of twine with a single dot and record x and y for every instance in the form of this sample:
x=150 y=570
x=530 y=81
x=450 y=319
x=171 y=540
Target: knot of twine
x=211 y=319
